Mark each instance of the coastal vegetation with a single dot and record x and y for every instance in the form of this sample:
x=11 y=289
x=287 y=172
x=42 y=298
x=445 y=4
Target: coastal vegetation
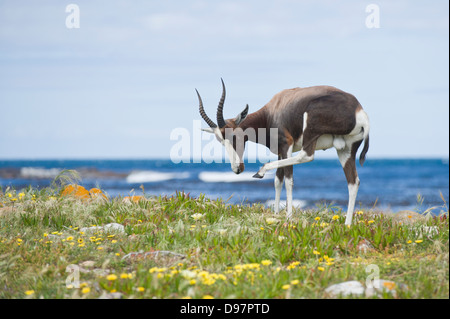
x=68 y=242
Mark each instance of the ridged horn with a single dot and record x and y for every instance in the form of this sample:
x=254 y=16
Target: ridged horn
x=203 y=114
x=220 y=119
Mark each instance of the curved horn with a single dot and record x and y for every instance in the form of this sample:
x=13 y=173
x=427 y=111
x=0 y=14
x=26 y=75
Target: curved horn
x=220 y=119
x=203 y=114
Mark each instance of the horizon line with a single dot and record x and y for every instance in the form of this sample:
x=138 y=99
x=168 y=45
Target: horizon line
x=192 y=159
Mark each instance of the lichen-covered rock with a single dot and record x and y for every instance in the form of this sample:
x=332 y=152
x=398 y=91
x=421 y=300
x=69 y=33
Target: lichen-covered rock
x=380 y=286
x=112 y=227
x=347 y=288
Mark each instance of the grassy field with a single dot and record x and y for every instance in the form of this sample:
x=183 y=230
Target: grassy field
x=182 y=247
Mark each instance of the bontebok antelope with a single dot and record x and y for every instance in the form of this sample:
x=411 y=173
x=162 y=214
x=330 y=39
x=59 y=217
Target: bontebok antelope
x=306 y=120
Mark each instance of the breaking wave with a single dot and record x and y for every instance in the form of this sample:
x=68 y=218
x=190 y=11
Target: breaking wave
x=153 y=176
x=38 y=173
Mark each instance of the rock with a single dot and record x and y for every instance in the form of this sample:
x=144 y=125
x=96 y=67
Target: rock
x=111 y=295
x=354 y=288
x=76 y=191
x=108 y=227
x=101 y=272
x=347 y=288
x=131 y=199
x=379 y=286
x=87 y=264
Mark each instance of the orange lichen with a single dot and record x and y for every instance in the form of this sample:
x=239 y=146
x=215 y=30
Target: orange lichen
x=135 y=199
x=95 y=192
x=389 y=285
x=76 y=191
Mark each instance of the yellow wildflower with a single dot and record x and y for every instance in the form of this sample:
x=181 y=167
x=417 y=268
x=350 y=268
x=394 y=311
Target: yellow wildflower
x=208 y=297
x=317 y=218
x=419 y=241
x=321 y=268
x=266 y=262
x=295 y=282
x=111 y=277
x=285 y=287
x=29 y=292
x=335 y=217
x=140 y=289
x=85 y=290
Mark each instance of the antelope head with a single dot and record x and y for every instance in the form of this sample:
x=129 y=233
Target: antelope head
x=226 y=132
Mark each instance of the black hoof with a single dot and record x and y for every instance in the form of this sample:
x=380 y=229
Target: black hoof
x=258 y=176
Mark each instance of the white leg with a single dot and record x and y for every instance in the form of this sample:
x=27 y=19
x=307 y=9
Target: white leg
x=352 y=192
x=278 y=188
x=289 y=187
x=301 y=157
x=347 y=162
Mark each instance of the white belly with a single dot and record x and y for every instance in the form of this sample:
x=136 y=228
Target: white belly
x=324 y=142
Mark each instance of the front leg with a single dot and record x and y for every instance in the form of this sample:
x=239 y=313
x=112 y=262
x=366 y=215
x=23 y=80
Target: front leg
x=279 y=177
x=301 y=157
x=289 y=183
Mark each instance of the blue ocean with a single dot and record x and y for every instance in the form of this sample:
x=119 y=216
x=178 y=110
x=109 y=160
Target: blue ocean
x=390 y=184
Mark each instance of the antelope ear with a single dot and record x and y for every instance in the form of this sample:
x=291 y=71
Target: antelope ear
x=241 y=116
x=214 y=130
x=208 y=130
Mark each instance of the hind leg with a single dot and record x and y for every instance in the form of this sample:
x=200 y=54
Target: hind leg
x=347 y=157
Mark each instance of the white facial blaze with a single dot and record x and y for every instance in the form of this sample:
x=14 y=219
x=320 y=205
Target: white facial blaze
x=232 y=155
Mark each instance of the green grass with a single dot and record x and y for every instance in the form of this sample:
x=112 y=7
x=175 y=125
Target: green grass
x=228 y=251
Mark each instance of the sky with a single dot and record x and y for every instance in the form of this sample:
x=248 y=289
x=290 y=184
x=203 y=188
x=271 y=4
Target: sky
x=121 y=83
